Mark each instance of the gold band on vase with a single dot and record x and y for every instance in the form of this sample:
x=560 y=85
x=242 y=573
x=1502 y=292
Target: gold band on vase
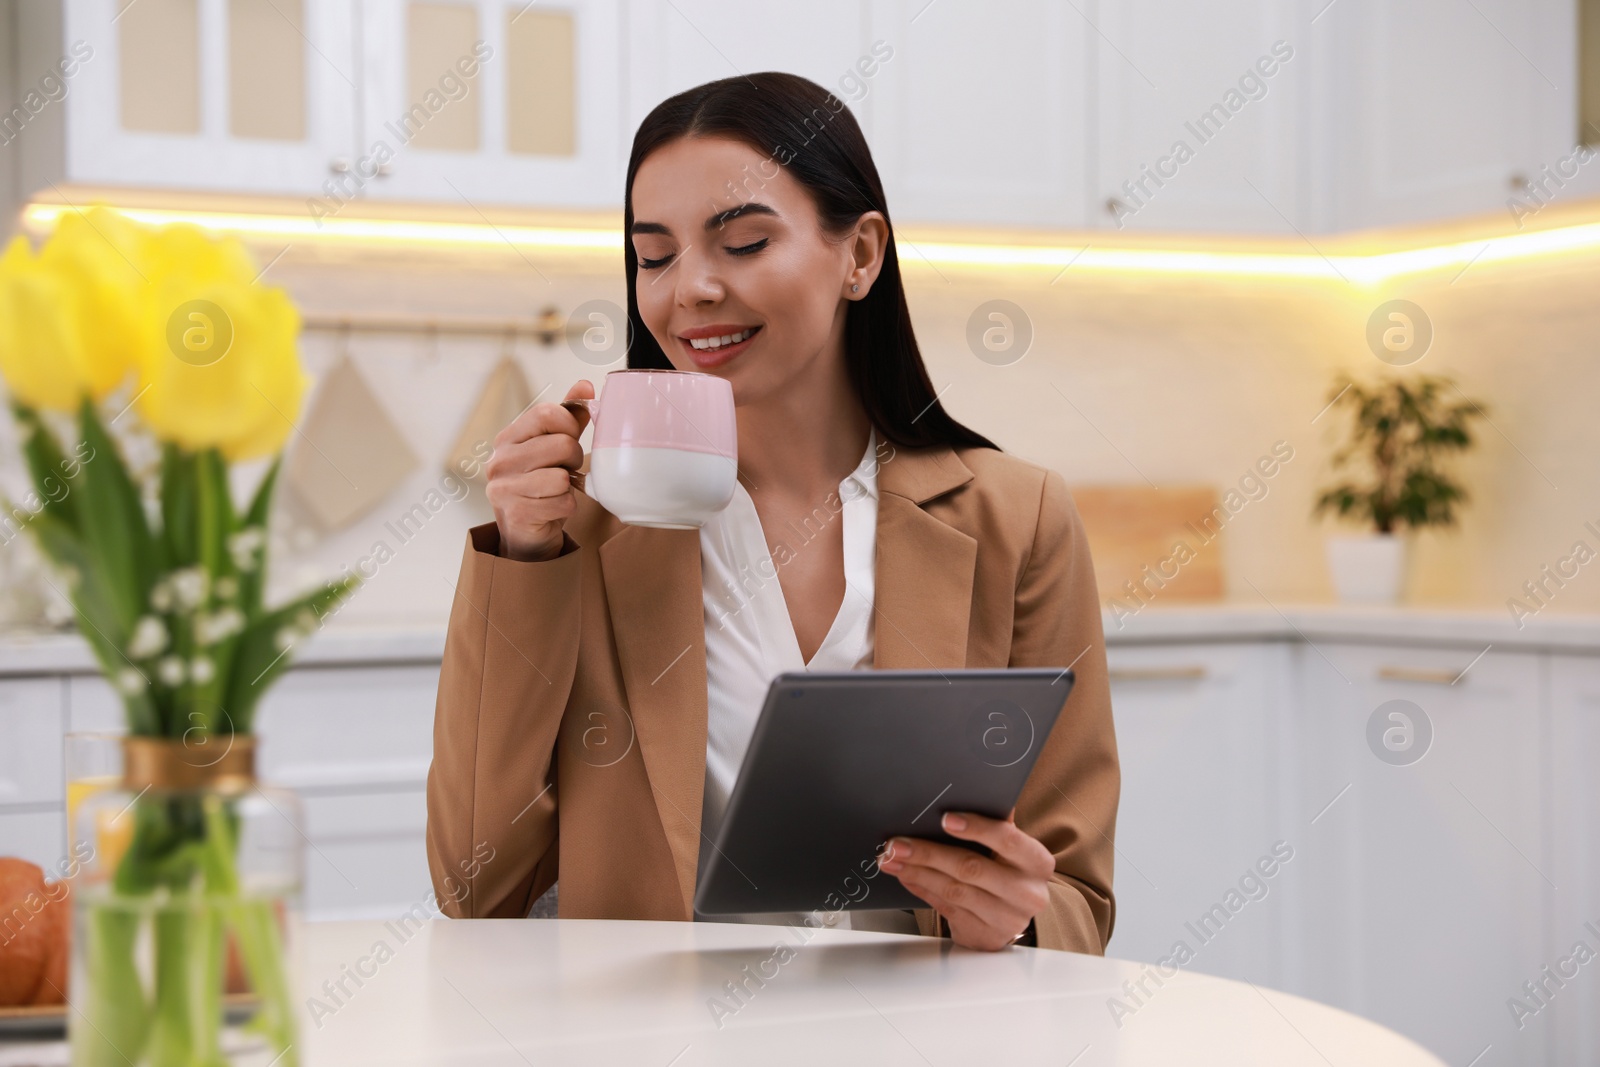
x=225 y=763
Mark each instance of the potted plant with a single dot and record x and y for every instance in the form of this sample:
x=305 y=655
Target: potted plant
x=141 y=365
x=1401 y=431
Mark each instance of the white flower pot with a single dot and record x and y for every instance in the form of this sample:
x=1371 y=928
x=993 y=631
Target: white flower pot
x=1367 y=568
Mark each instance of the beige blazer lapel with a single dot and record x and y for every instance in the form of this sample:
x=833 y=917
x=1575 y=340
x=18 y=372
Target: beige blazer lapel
x=652 y=580
x=924 y=576
x=924 y=567
x=653 y=591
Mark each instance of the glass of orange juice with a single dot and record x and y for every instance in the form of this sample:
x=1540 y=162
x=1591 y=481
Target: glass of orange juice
x=93 y=763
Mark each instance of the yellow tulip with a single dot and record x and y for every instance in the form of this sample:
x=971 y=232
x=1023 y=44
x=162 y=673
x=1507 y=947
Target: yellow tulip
x=278 y=376
x=103 y=256
x=185 y=250
x=215 y=352
x=41 y=339
x=219 y=365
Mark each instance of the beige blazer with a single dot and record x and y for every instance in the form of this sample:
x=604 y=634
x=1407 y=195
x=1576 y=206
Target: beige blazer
x=570 y=731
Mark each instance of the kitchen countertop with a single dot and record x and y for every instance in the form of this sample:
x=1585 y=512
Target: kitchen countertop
x=45 y=652
x=1259 y=620
x=25 y=653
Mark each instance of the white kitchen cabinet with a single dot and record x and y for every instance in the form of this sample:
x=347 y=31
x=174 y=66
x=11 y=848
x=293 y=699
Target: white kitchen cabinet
x=93 y=706
x=678 y=45
x=10 y=99
x=355 y=743
x=31 y=717
x=353 y=740
x=493 y=102
x=1434 y=108
x=330 y=101
x=1416 y=893
x=1200 y=735
x=1199 y=115
x=40 y=837
x=1420 y=887
x=32 y=825
x=1572 y=795
x=1028 y=114
x=367 y=727
x=253 y=96
x=981 y=115
x=366 y=856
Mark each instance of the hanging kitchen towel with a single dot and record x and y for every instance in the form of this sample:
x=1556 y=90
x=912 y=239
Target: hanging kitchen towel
x=348 y=454
x=504 y=396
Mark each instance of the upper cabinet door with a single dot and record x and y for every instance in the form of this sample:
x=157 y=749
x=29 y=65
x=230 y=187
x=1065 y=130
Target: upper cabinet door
x=980 y=115
x=1436 y=108
x=677 y=45
x=237 y=95
x=1199 y=115
x=491 y=102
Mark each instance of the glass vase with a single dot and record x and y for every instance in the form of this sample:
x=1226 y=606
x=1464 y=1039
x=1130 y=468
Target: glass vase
x=93 y=761
x=186 y=911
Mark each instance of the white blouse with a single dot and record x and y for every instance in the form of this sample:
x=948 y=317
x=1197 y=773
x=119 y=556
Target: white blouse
x=750 y=637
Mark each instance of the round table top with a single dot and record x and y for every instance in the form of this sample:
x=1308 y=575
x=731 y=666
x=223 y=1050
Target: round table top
x=663 y=994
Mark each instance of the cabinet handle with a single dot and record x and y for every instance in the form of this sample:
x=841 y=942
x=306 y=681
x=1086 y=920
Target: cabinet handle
x=1156 y=674
x=339 y=165
x=1418 y=674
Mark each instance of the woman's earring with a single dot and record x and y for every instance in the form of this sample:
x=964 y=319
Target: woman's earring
x=855 y=288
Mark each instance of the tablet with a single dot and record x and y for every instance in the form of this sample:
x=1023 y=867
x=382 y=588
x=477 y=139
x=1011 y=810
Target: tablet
x=842 y=761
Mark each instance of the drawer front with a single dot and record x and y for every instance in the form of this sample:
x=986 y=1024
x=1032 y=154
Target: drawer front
x=1572 y=793
x=1426 y=866
x=31 y=723
x=366 y=858
x=1199 y=735
x=93 y=706
x=352 y=726
x=366 y=815
x=36 y=836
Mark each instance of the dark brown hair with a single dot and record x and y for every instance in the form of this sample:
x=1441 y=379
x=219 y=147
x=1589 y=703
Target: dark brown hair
x=805 y=128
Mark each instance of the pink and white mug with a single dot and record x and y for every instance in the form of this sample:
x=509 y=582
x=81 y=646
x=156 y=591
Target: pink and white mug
x=665 y=449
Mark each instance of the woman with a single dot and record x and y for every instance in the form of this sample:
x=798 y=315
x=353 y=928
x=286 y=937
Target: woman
x=601 y=681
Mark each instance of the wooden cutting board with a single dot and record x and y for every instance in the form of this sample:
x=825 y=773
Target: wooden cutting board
x=1135 y=527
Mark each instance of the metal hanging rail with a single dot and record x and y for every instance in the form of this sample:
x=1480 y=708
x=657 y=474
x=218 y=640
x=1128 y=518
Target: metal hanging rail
x=548 y=327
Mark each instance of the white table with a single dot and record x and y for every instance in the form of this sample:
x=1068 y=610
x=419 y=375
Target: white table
x=539 y=992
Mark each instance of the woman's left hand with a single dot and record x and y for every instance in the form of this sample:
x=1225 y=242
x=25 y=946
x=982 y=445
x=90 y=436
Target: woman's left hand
x=988 y=901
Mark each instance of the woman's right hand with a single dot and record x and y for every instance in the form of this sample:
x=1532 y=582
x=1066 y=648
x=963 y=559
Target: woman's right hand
x=530 y=477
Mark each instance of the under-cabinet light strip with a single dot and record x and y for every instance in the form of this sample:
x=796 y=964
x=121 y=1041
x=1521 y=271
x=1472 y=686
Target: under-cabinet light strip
x=1359 y=270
